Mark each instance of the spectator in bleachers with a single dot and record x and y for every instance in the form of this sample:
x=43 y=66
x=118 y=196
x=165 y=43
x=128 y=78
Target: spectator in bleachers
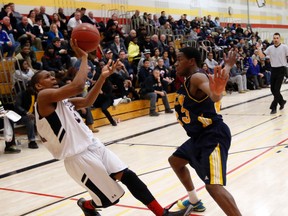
x=211 y=62
x=164 y=75
x=162 y=19
x=205 y=69
x=155 y=57
x=181 y=23
x=45 y=19
x=123 y=58
x=111 y=21
x=56 y=19
x=165 y=29
x=16 y=14
x=39 y=32
x=6 y=11
x=53 y=33
x=6 y=45
x=62 y=51
x=155 y=21
x=146 y=44
x=108 y=54
x=144 y=72
x=110 y=34
x=28 y=54
x=22 y=75
x=62 y=16
x=134 y=55
x=37 y=11
x=89 y=19
x=254 y=74
x=52 y=62
x=193 y=34
x=146 y=56
x=152 y=89
x=166 y=60
x=82 y=11
x=162 y=43
x=24 y=106
x=116 y=46
x=12 y=32
x=25 y=31
x=132 y=34
x=31 y=17
x=136 y=20
x=73 y=14
x=73 y=22
x=172 y=55
x=239 y=77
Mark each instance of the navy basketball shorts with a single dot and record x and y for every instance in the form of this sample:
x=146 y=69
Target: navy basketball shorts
x=208 y=152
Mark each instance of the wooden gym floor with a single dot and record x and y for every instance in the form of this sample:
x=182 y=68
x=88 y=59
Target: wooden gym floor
x=32 y=183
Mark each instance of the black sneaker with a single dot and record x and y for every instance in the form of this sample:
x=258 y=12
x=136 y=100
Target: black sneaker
x=32 y=145
x=87 y=212
x=273 y=111
x=11 y=150
x=283 y=104
x=169 y=111
x=154 y=113
x=182 y=212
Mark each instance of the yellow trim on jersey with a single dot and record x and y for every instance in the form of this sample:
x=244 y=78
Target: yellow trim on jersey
x=188 y=93
x=215 y=162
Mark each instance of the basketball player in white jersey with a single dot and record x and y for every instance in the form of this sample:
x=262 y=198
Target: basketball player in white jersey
x=86 y=159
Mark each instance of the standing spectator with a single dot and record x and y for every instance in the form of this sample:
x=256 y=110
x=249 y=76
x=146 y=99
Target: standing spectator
x=278 y=57
x=162 y=19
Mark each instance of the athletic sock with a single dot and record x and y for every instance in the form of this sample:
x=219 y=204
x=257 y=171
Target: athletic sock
x=156 y=208
x=88 y=205
x=193 y=198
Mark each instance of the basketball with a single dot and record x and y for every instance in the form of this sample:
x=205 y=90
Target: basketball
x=87 y=36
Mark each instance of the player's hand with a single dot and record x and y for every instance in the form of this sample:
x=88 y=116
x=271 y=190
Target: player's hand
x=78 y=51
x=109 y=68
x=218 y=82
x=230 y=59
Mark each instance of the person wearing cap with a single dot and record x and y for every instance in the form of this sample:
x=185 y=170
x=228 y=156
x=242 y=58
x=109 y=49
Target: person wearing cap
x=146 y=56
x=108 y=54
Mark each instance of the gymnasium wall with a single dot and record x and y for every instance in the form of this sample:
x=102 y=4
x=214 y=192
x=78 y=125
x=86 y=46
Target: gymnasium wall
x=268 y=19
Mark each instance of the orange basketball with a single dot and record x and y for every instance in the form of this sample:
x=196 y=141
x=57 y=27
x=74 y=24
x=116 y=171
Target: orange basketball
x=87 y=36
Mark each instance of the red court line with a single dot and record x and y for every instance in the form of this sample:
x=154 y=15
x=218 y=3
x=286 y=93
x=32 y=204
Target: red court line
x=143 y=208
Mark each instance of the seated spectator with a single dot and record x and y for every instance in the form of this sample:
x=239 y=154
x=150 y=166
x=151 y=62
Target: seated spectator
x=52 y=62
x=130 y=91
x=211 y=63
x=62 y=51
x=6 y=45
x=11 y=31
x=7 y=11
x=16 y=14
x=39 y=32
x=110 y=34
x=22 y=75
x=253 y=73
x=239 y=77
x=155 y=57
x=162 y=44
x=164 y=75
x=152 y=89
x=24 y=105
x=108 y=54
x=29 y=55
x=117 y=46
x=53 y=33
x=165 y=58
x=62 y=16
x=146 y=56
x=25 y=31
x=45 y=19
x=205 y=68
x=144 y=72
x=134 y=56
x=31 y=17
x=61 y=26
x=73 y=22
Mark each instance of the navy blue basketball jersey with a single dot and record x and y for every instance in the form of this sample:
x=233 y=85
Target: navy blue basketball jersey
x=194 y=115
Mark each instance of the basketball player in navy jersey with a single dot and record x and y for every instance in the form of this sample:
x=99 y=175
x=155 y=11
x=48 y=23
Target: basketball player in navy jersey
x=86 y=159
x=207 y=149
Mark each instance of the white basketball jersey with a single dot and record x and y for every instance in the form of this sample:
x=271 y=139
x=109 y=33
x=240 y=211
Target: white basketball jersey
x=63 y=132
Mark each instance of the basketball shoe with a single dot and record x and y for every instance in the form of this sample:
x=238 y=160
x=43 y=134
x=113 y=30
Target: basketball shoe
x=87 y=212
x=189 y=207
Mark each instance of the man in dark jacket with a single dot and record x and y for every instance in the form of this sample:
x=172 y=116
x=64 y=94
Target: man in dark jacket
x=152 y=89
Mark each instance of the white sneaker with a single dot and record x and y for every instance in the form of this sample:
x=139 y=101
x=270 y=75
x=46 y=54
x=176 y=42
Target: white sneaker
x=117 y=101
